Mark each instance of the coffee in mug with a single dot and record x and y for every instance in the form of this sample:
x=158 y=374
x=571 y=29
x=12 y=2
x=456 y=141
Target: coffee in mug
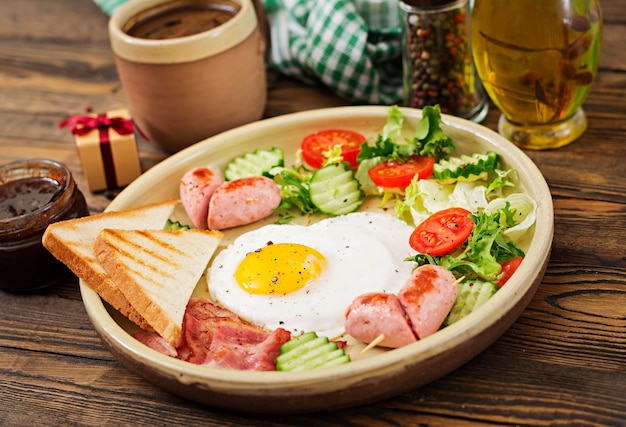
x=189 y=68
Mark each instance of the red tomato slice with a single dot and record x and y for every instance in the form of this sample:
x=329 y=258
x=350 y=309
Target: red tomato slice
x=396 y=174
x=314 y=145
x=442 y=232
x=508 y=268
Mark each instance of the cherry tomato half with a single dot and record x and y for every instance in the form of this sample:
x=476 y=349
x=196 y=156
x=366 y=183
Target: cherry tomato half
x=395 y=174
x=442 y=232
x=508 y=268
x=314 y=145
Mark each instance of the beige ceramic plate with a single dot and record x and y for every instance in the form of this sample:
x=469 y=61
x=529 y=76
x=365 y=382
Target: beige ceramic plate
x=378 y=374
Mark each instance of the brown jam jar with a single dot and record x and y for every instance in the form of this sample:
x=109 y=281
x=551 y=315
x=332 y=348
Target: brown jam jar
x=33 y=194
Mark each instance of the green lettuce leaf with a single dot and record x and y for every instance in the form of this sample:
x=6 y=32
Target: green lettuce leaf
x=430 y=138
x=485 y=249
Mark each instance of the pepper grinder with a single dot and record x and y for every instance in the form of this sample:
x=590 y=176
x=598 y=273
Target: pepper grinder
x=437 y=60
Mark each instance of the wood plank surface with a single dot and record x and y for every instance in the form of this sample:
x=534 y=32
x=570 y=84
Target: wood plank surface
x=563 y=363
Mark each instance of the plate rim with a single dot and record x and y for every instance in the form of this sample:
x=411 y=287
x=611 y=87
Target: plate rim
x=430 y=347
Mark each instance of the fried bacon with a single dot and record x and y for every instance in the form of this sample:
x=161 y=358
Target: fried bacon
x=216 y=337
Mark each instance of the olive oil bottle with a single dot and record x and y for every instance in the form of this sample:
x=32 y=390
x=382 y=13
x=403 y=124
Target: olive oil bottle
x=537 y=60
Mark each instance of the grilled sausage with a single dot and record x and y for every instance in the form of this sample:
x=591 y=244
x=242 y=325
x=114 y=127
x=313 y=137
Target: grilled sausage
x=196 y=188
x=376 y=313
x=427 y=298
x=242 y=201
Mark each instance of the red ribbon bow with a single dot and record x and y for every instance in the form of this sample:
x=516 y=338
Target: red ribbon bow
x=81 y=125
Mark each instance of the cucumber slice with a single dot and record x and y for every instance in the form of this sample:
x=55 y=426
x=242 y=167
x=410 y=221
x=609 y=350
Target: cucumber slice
x=335 y=191
x=175 y=225
x=257 y=163
x=308 y=351
x=472 y=294
x=465 y=168
x=295 y=342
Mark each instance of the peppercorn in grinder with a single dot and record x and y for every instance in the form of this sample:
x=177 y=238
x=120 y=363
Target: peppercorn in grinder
x=437 y=61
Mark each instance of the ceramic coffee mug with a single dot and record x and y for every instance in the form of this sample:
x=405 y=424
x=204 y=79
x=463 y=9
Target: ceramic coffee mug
x=192 y=84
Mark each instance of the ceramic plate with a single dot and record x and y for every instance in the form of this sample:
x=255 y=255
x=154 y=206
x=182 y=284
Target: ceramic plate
x=375 y=375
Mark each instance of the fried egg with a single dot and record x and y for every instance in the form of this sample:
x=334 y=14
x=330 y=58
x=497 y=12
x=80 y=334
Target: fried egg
x=302 y=278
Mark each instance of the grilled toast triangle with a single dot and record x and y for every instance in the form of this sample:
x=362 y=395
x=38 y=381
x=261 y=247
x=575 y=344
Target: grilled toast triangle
x=157 y=271
x=71 y=242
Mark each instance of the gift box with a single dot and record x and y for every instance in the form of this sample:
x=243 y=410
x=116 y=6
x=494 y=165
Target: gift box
x=107 y=148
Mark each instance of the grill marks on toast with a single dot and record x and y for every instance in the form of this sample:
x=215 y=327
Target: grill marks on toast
x=145 y=272
x=157 y=271
x=71 y=242
x=162 y=263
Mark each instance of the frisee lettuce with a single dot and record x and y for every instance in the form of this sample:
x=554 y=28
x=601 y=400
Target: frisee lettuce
x=294 y=190
x=499 y=181
x=486 y=248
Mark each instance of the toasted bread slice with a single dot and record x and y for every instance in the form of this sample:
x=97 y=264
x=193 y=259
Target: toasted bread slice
x=71 y=242
x=157 y=271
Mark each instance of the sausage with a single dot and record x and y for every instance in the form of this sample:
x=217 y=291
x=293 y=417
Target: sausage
x=427 y=298
x=242 y=201
x=376 y=313
x=196 y=188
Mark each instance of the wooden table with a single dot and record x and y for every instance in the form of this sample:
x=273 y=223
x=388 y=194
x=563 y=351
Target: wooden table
x=562 y=363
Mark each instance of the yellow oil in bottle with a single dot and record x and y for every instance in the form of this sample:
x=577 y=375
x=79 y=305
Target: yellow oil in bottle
x=537 y=59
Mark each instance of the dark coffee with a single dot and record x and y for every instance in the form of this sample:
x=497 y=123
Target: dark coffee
x=180 y=18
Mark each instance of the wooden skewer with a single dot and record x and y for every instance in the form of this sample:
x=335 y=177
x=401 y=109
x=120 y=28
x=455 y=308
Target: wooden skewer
x=381 y=337
x=374 y=343
x=459 y=280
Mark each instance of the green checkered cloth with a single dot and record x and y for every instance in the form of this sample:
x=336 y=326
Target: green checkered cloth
x=351 y=46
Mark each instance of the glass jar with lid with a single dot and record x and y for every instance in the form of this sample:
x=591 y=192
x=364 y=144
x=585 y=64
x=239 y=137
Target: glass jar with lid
x=33 y=194
x=437 y=60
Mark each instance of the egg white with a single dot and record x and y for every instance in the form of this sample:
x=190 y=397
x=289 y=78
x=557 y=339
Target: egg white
x=365 y=252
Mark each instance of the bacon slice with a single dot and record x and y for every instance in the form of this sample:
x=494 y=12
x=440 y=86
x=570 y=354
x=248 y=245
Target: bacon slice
x=245 y=347
x=376 y=313
x=216 y=337
x=200 y=322
x=155 y=342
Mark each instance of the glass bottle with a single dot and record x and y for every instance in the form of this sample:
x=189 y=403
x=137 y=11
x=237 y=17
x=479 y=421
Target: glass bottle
x=537 y=60
x=437 y=62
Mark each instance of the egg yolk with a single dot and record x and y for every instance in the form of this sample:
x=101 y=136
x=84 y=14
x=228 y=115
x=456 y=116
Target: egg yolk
x=278 y=269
